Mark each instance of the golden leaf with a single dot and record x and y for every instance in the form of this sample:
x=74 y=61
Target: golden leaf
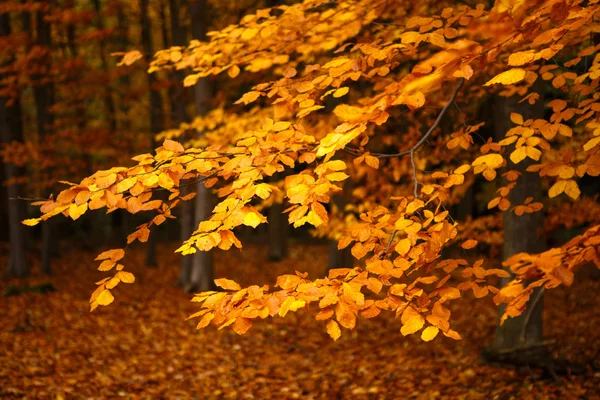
x=412 y=324
x=429 y=333
x=241 y=325
x=126 y=277
x=333 y=329
x=509 y=77
x=105 y=298
x=227 y=284
x=252 y=219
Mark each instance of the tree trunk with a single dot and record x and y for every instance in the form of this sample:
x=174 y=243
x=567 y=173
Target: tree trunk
x=278 y=232
x=156 y=120
x=11 y=130
x=202 y=272
x=43 y=101
x=108 y=99
x=518 y=340
x=341 y=258
x=186 y=221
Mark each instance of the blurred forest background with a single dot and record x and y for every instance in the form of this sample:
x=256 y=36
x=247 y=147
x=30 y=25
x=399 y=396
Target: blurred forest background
x=67 y=109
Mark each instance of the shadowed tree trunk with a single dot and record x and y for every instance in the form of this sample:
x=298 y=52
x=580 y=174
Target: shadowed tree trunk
x=178 y=103
x=341 y=258
x=156 y=120
x=108 y=99
x=202 y=269
x=278 y=232
x=11 y=130
x=518 y=340
x=43 y=101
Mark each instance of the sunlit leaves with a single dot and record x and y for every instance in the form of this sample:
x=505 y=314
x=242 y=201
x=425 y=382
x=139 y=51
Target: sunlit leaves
x=509 y=77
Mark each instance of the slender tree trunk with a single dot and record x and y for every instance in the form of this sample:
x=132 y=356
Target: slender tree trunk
x=43 y=101
x=518 y=340
x=341 y=258
x=11 y=130
x=108 y=99
x=156 y=120
x=278 y=232
x=178 y=103
x=202 y=272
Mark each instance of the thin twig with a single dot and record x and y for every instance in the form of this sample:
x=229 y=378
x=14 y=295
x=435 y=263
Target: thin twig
x=389 y=244
x=530 y=310
x=461 y=82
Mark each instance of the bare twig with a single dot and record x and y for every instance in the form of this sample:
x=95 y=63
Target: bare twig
x=420 y=143
x=389 y=244
x=530 y=310
x=412 y=151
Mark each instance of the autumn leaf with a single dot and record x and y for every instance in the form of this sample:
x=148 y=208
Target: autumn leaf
x=429 y=333
x=509 y=77
x=227 y=284
x=105 y=298
x=333 y=329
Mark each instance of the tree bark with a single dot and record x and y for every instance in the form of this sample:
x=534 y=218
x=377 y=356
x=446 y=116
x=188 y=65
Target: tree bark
x=202 y=269
x=11 y=130
x=186 y=221
x=43 y=101
x=156 y=114
x=518 y=340
x=278 y=232
x=341 y=258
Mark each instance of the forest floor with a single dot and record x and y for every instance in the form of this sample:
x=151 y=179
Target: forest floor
x=141 y=347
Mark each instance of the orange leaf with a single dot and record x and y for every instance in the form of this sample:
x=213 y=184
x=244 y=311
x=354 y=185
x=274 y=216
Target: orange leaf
x=227 y=284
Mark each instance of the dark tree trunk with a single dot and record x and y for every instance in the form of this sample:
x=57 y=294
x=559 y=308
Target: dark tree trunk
x=108 y=99
x=341 y=258
x=202 y=269
x=43 y=101
x=278 y=232
x=518 y=340
x=156 y=120
x=178 y=103
x=11 y=130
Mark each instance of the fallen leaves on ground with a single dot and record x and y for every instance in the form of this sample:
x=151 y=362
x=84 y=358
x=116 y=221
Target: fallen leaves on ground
x=141 y=347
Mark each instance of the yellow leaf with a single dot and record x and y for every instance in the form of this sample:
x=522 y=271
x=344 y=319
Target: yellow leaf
x=233 y=71
x=516 y=118
x=176 y=56
x=333 y=329
x=205 y=320
x=126 y=277
x=337 y=176
x=429 y=333
x=107 y=265
x=31 y=221
x=509 y=77
x=403 y=246
x=491 y=160
x=557 y=188
x=521 y=58
x=340 y=92
x=105 y=298
x=249 y=97
x=518 y=155
x=469 y=244
x=241 y=325
x=412 y=325
x=252 y=219
x=280 y=126
x=249 y=33
x=572 y=190
x=372 y=162
x=227 y=284
x=114 y=254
